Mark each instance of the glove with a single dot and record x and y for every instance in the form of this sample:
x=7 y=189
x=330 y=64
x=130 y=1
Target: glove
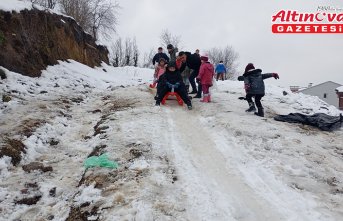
x=198 y=80
x=275 y=75
x=241 y=78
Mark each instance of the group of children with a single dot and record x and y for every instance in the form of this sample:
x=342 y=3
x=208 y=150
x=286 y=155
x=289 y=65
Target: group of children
x=176 y=74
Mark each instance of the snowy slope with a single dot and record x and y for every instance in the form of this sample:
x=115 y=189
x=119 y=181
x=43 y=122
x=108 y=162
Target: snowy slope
x=15 y=5
x=215 y=162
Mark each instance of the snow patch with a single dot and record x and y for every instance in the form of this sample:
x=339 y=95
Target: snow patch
x=15 y=5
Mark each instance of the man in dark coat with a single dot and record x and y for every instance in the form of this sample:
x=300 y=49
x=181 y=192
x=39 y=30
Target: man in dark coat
x=172 y=79
x=254 y=87
x=160 y=55
x=193 y=62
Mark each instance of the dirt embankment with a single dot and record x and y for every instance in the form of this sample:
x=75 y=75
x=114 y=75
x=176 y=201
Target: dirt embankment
x=33 y=39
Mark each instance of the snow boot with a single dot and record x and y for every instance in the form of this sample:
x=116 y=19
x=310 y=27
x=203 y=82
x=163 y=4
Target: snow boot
x=260 y=112
x=205 y=99
x=251 y=107
x=197 y=96
x=189 y=107
x=158 y=103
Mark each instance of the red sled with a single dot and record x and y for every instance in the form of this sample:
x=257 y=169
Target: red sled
x=178 y=98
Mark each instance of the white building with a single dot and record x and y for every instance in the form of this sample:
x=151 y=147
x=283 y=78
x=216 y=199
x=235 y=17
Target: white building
x=325 y=91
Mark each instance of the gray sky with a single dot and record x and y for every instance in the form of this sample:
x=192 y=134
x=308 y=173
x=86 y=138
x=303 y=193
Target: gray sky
x=245 y=25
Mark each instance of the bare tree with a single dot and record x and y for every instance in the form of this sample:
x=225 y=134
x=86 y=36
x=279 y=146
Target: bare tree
x=117 y=52
x=135 y=52
x=46 y=3
x=128 y=51
x=167 y=38
x=147 y=58
x=94 y=16
x=80 y=10
x=229 y=57
x=125 y=53
x=103 y=17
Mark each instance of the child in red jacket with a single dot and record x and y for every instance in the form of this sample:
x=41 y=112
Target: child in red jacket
x=205 y=77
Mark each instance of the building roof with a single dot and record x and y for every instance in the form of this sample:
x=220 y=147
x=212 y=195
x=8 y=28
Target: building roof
x=338 y=85
x=339 y=89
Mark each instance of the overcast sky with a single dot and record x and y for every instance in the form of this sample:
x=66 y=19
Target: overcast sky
x=245 y=25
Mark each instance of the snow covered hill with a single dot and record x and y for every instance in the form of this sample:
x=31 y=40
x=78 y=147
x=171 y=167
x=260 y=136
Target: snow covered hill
x=215 y=162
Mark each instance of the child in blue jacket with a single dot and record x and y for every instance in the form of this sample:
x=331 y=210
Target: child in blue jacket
x=220 y=70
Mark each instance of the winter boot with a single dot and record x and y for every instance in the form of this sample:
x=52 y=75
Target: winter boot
x=157 y=103
x=189 y=106
x=251 y=107
x=205 y=99
x=260 y=112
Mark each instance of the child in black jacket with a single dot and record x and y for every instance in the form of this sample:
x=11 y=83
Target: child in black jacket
x=172 y=79
x=254 y=87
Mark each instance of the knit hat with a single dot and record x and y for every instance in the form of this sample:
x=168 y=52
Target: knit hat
x=170 y=46
x=204 y=57
x=172 y=64
x=249 y=67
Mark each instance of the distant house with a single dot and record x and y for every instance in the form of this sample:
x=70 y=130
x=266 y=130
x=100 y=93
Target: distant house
x=325 y=91
x=339 y=92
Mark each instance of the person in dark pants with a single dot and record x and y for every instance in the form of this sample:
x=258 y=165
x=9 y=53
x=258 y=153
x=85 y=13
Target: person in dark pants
x=254 y=87
x=172 y=79
x=193 y=62
x=159 y=55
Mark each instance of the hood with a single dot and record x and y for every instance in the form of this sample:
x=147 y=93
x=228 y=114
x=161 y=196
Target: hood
x=208 y=66
x=253 y=72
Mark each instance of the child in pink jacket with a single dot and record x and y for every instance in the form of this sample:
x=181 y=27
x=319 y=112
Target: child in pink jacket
x=159 y=70
x=205 y=77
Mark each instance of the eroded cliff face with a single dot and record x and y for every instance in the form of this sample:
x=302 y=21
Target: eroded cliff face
x=33 y=39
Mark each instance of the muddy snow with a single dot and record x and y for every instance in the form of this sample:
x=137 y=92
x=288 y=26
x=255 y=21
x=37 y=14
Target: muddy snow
x=215 y=162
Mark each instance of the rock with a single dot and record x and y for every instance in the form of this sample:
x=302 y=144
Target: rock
x=36 y=166
x=6 y=98
x=43 y=92
x=96 y=111
x=284 y=93
x=77 y=100
x=13 y=148
x=52 y=192
x=136 y=153
x=53 y=142
x=29 y=200
x=2 y=74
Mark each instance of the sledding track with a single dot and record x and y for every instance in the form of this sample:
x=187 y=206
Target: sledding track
x=236 y=166
x=226 y=190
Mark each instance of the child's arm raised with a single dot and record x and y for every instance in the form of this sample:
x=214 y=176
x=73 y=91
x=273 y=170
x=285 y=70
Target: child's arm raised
x=269 y=75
